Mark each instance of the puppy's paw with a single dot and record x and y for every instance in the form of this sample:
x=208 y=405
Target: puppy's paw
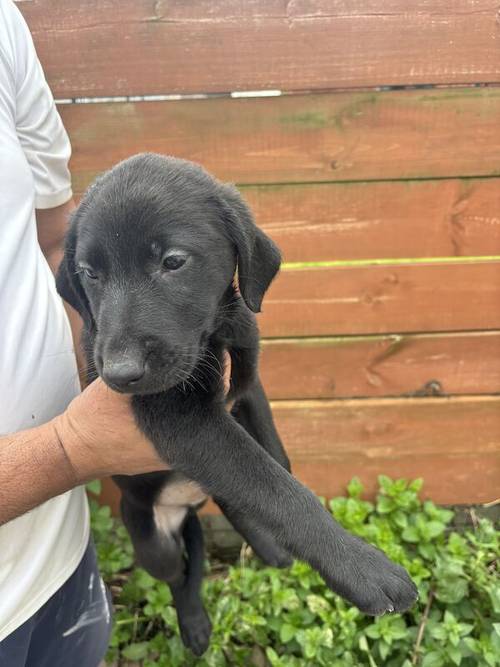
x=270 y=553
x=372 y=582
x=195 y=632
x=279 y=559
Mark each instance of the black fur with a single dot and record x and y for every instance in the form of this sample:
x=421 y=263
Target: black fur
x=160 y=334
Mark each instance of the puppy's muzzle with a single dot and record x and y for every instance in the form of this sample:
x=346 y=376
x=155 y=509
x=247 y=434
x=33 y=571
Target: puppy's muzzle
x=123 y=373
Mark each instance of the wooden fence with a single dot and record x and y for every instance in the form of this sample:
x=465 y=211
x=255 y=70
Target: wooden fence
x=377 y=170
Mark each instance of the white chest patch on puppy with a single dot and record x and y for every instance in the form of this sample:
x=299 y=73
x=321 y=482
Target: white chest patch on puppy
x=173 y=502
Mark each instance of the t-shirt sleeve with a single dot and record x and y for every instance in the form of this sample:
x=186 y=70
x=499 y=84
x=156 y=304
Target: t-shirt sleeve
x=38 y=124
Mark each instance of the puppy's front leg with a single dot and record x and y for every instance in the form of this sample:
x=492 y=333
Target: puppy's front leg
x=202 y=441
x=253 y=413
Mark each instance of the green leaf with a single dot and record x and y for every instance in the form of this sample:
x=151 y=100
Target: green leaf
x=428 y=551
x=383 y=649
x=410 y=534
x=273 y=657
x=438 y=632
x=435 y=528
x=136 y=651
x=287 y=632
x=465 y=629
x=317 y=604
x=494 y=594
x=373 y=631
x=433 y=659
x=451 y=590
x=94 y=487
x=385 y=483
x=385 y=505
x=416 y=485
x=491 y=659
x=455 y=654
x=355 y=488
x=449 y=617
x=327 y=637
x=363 y=644
x=400 y=519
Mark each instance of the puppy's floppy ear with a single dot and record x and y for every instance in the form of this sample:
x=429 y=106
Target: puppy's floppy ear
x=258 y=257
x=67 y=278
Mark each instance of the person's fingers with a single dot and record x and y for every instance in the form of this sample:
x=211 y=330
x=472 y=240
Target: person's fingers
x=99 y=434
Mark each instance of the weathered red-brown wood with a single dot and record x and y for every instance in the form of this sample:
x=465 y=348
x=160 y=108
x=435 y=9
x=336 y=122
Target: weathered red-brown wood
x=340 y=176
x=303 y=138
x=121 y=47
x=376 y=366
x=453 y=443
x=337 y=221
x=345 y=221
x=383 y=299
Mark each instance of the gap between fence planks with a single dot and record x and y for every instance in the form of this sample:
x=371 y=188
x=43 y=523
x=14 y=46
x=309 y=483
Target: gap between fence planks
x=355 y=136
x=377 y=366
x=137 y=47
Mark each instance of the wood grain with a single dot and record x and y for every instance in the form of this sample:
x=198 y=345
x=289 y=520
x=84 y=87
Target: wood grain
x=318 y=368
x=453 y=443
x=343 y=221
x=139 y=47
x=383 y=299
x=350 y=221
x=303 y=138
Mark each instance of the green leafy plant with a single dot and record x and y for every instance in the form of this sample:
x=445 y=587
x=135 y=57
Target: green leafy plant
x=288 y=618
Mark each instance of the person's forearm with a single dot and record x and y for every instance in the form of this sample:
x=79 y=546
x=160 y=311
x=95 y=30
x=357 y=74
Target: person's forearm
x=95 y=437
x=33 y=468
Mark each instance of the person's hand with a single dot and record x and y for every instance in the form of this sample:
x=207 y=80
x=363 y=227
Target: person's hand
x=100 y=437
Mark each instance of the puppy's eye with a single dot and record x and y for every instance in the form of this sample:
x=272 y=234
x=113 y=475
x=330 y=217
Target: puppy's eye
x=89 y=273
x=173 y=262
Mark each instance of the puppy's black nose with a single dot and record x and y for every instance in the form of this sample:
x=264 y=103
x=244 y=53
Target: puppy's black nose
x=122 y=373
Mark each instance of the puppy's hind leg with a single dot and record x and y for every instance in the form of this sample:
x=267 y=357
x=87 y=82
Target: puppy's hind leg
x=168 y=542
x=193 y=620
x=158 y=552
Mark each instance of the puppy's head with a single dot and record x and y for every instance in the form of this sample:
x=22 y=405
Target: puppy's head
x=151 y=250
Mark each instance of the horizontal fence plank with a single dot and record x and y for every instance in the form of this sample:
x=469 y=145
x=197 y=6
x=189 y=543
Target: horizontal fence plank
x=143 y=47
x=383 y=299
x=454 y=444
x=396 y=219
x=303 y=138
x=319 y=368
x=342 y=221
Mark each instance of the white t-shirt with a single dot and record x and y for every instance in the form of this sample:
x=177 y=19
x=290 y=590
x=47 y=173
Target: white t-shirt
x=38 y=377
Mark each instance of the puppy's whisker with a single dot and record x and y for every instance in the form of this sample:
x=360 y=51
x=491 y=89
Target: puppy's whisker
x=215 y=358
x=184 y=379
x=206 y=363
x=195 y=378
x=211 y=370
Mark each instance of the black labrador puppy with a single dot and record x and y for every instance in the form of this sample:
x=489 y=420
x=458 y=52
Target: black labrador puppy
x=149 y=263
